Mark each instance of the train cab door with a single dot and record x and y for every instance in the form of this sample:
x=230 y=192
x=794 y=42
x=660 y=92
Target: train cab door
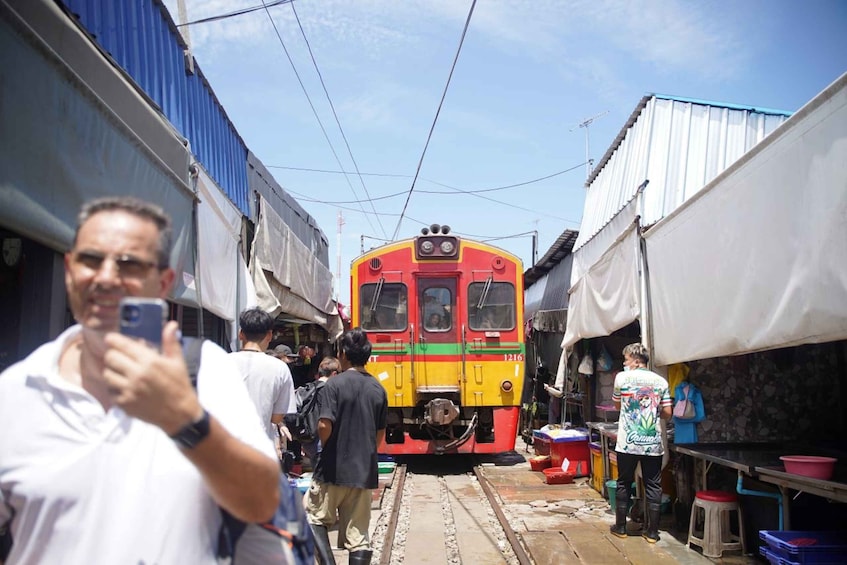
x=438 y=335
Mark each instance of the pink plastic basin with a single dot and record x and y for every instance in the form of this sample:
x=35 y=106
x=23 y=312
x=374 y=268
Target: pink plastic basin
x=810 y=466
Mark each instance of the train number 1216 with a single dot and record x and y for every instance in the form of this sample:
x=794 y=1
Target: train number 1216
x=513 y=357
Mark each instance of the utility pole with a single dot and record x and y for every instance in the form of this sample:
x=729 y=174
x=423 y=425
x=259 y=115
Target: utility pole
x=338 y=246
x=584 y=124
x=182 y=13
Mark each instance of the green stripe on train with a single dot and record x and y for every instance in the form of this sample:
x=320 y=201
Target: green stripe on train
x=451 y=349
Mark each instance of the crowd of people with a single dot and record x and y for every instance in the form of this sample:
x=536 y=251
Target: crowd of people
x=120 y=450
x=116 y=450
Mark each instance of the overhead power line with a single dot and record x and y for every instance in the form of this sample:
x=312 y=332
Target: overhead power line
x=311 y=105
x=435 y=120
x=335 y=115
x=453 y=190
x=236 y=13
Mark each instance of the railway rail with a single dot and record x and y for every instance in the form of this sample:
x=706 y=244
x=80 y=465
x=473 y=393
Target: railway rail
x=442 y=511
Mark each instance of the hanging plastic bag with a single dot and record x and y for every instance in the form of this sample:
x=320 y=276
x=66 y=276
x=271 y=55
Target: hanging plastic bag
x=586 y=365
x=684 y=408
x=604 y=360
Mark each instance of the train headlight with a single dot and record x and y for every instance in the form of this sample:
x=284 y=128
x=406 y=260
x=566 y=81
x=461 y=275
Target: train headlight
x=506 y=386
x=427 y=247
x=447 y=247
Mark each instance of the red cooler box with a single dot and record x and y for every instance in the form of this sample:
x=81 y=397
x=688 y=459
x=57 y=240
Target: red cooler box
x=573 y=448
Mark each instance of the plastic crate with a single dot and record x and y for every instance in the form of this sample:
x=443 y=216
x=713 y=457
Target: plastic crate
x=792 y=546
x=613 y=465
x=596 y=467
x=772 y=559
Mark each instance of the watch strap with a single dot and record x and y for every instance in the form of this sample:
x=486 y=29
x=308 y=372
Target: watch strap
x=192 y=434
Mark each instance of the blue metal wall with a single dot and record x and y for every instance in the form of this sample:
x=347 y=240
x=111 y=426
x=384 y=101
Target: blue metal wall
x=141 y=37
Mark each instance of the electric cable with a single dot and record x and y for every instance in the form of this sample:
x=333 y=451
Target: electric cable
x=335 y=115
x=314 y=111
x=435 y=120
x=235 y=13
x=452 y=190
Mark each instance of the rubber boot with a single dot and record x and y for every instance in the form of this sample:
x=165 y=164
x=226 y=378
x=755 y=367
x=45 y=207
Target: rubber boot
x=619 y=529
x=323 y=549
x=651 y=529
x=361 y=557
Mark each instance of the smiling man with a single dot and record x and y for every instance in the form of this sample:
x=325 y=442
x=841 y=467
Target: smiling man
x=108 y=454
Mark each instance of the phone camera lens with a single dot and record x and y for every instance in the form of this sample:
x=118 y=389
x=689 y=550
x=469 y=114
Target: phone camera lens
x=131 y=314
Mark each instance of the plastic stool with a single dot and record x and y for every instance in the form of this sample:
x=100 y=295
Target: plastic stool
x=716 y=536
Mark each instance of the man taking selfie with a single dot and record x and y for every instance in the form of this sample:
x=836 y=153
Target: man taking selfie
x=109 y=454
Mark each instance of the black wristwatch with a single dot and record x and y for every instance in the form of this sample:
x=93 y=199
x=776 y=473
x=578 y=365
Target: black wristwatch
x=192 y=434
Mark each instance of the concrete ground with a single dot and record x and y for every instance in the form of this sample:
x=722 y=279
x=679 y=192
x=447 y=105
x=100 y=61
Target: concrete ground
x=567 y=524
x=562 y=524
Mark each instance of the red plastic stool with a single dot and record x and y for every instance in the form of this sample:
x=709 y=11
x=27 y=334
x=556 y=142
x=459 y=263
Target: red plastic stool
x=716 y=536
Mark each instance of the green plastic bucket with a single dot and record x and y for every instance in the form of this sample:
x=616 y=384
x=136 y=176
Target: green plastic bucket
x=611 y=488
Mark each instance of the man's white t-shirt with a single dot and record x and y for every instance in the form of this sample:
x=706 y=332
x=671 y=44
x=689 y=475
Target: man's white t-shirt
x=96 y=487
x=269 y=384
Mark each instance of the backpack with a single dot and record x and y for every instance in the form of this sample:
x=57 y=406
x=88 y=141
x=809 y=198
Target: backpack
x=303 y=424
x=286 y=538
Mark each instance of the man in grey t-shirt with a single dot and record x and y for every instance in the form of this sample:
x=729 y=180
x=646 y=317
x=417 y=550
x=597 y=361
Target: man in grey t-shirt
x=268 y=380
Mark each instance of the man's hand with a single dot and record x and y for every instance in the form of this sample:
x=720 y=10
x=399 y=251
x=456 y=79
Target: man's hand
x=149 y=385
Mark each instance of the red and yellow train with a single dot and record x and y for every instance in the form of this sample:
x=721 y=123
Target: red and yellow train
x=444 y=315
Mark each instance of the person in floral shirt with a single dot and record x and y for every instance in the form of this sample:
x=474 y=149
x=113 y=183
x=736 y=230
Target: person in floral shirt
x=643 y=398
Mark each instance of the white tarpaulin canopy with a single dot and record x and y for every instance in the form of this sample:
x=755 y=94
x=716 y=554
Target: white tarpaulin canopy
x=224 y=286
x=289 y=278
x=605 y=290
x=758 y=259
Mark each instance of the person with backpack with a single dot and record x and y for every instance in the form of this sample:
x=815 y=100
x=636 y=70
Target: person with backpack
x=352 y=410
x=328 y=367
x=109 y=453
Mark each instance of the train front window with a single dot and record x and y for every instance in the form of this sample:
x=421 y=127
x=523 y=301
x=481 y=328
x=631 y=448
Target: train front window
x=437 y=306
x=492 y=308
x=388 y=312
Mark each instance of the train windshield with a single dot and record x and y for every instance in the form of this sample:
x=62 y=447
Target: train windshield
x=437 y=306
x=491 y=306
x=383 y=306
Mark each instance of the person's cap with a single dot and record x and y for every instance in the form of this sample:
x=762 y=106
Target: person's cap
x=283 y=350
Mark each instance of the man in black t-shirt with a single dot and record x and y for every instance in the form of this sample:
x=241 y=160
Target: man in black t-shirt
x=352 y=408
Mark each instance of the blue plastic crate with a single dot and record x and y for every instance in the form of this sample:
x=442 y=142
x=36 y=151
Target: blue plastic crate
x=775 y=559
x=772 y=559
x=800 y=547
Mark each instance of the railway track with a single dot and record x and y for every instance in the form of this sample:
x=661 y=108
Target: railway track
x=442 y=510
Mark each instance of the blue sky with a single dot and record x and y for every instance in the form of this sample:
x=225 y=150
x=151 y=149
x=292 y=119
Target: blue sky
x=528 y=73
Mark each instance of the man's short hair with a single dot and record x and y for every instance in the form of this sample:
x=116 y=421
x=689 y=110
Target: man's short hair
x=637 y=351
x=328 y=366
x=255 y=323
x=136 y=207
x=356 y=346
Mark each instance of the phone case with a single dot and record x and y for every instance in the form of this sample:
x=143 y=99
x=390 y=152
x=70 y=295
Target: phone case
x=143 y=318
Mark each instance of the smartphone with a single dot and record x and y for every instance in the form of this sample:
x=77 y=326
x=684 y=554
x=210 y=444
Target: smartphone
x=144 y=318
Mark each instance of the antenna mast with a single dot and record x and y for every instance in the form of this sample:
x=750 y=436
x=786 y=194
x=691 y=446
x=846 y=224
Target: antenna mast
x=589 y=162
